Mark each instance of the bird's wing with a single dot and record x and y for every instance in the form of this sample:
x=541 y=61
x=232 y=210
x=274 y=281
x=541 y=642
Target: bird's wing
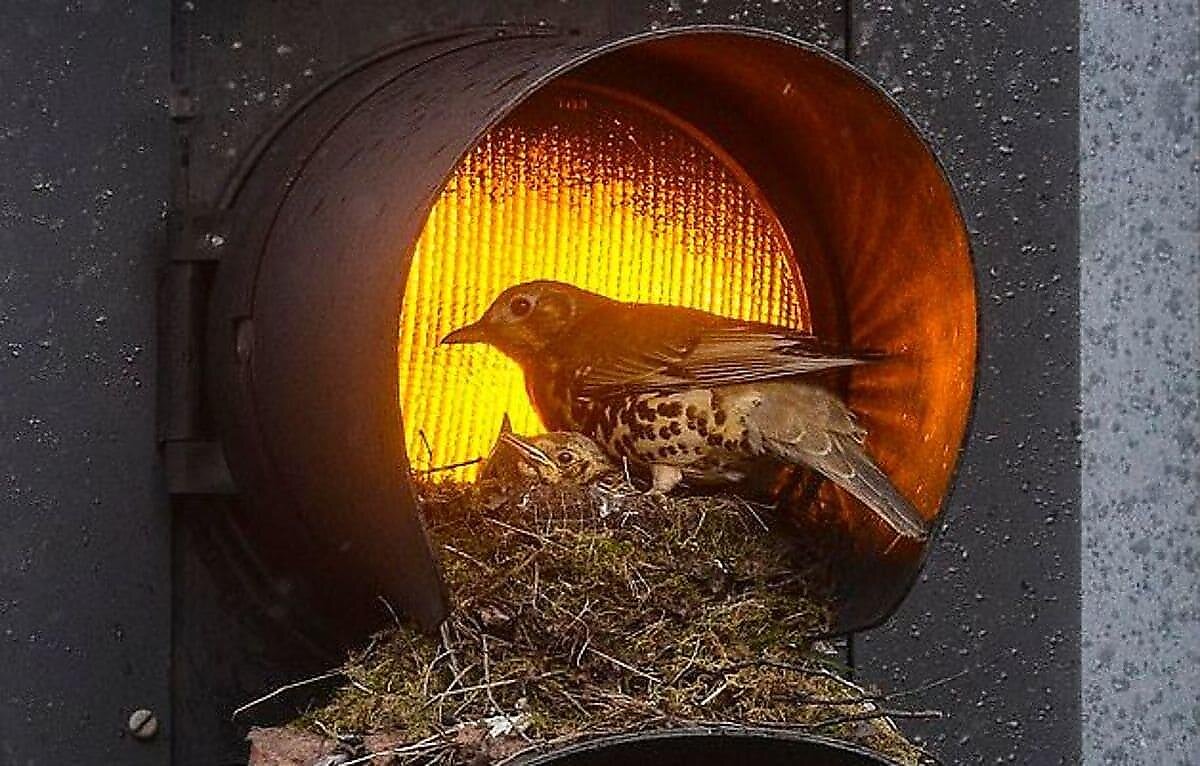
x=803 y=424
x=840 y=458
x=659 y=348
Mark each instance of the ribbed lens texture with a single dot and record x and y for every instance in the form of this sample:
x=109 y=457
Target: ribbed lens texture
x=581 y=187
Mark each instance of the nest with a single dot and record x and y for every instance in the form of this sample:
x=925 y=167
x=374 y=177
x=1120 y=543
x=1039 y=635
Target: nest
x=580 y=611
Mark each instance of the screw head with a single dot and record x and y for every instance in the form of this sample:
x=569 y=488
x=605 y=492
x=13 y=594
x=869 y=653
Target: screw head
x=143 y=724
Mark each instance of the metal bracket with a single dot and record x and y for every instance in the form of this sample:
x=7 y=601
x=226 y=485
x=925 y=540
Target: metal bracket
x=194 y=460
x=181 y=105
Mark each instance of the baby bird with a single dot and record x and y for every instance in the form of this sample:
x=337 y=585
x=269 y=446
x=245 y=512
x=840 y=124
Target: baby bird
x=551 y=458
x=684 y=394
x=562 y=457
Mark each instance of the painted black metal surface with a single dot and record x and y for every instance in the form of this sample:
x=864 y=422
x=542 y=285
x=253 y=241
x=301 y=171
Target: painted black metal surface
x=996 y=90
x=84 y=554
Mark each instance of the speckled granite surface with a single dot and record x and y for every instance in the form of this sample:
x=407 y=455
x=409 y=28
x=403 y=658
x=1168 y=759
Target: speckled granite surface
x=1140 y=339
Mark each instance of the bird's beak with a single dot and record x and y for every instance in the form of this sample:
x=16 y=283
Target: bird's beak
x=472 y=333
x=527 y=449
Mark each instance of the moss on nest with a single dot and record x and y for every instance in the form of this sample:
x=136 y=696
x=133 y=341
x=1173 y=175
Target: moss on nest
x=588 y=610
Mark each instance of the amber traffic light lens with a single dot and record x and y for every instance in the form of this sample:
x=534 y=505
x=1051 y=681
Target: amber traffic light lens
x=587 y=187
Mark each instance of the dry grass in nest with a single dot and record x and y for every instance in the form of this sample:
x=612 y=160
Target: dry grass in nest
x=588 y=610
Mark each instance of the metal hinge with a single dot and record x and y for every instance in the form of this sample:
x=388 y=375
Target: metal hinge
x=194 y=459
x=181 y=105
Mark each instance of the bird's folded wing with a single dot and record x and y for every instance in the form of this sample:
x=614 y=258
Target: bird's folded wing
x=844 y=462
x=670 y=358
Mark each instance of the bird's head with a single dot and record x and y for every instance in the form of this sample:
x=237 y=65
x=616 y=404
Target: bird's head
x=561 y=456
x=527 y=318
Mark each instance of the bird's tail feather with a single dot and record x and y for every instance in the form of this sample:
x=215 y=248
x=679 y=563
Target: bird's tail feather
x=844 y=462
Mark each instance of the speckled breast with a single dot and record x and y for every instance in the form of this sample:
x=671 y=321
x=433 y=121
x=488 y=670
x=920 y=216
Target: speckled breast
x=693 y=430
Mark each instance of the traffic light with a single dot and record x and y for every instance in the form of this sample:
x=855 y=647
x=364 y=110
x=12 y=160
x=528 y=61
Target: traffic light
x=736 y=171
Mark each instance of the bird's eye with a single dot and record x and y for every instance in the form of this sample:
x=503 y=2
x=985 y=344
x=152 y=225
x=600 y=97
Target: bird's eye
x=520 y=307
x=565 y=457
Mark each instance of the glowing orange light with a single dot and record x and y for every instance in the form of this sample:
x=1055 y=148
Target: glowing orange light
x=584 y=188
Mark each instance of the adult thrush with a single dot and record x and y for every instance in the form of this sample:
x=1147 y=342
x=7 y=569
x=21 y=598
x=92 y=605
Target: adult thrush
x=684 y=394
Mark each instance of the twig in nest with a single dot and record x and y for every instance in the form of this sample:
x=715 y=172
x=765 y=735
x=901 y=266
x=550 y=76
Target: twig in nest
x=328 y=732
x=475 y=688
x=794 y=668
x=429 y=671
x=467 y=556
x=286 y=688
x=864 y=697
x=750 y=509
x=570 y=698
x=925 y=686
x=423 y=747
x=872 y=715
x=451 y=466
x=448 y=644
x=451 y=687
x=392 y=612
x=624 y=665
x=532 y=535
x=425 y=441
x=715 y=693
x=487 y=675
x=362 y=687
x=687 y=665
x=486 y=686
x=505 y=579
x=699 y=526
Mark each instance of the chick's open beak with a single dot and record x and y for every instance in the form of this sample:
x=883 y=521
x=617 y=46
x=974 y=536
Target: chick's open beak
x=472 y=333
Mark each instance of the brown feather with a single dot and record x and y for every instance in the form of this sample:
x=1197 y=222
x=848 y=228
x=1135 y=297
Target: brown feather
x=627 y=347
x=804 y=424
